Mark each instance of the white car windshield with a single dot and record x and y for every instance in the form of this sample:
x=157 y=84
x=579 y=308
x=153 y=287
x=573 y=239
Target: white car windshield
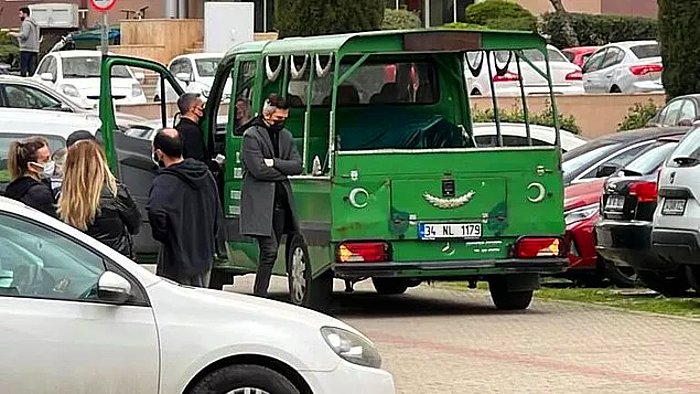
x=89 y=67
x=533 y=55
x=207 y=67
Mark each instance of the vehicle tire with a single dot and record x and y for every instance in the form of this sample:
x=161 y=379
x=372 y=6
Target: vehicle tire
x=304 y=290
x=239 y=379
x=156 y=98
x=509 y=300
x=615 y=89
x=219 y=278
x=619 y=276
x=475 y=92
x=390 y=286
x=693 y=277
x=669 y=285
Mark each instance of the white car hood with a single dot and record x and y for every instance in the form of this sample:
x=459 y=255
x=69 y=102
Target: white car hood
x=90 y=87
x=48 y=122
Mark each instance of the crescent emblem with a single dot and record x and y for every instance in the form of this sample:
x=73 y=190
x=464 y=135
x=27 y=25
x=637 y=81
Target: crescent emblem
x=353 y=197
x=541 y=192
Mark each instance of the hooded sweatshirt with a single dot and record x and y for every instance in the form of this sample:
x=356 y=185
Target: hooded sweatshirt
x=29 y=33
x=185 y=216
x=36 y=194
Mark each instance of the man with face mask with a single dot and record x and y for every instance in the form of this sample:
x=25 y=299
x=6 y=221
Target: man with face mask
x=269 y=156
x=191 y=109
x=184 y=213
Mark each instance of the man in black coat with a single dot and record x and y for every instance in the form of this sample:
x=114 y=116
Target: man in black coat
x=184 y=212
x=191 y=109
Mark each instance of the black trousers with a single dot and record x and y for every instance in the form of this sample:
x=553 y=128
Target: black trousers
x=269 y=247
x=27 y=63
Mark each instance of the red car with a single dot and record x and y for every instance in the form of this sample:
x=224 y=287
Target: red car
x=581 y=211
x=579 y=55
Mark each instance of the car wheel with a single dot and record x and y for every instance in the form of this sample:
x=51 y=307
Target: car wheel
x=620 y=276
x=219 y=278
x=244 y=379
x=673 y=285
x=615 y=89
x=693 y=275
x=476 y=92
x=156 y=98
x=509 y=300
x=304 y=289
x=388 y=286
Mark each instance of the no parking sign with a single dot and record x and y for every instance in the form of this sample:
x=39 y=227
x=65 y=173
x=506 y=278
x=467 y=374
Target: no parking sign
x=102 y=5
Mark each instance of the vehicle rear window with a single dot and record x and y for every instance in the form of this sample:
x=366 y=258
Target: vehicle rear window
x=89 y=67
x=55 y=143
x=576 y=164
x=688 y=148
x=646 y=51
x=533 y=55
x=207 y=67
x=650 y=159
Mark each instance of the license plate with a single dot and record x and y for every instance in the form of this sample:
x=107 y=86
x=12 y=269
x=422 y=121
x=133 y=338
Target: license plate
x=673 y=206
x=615 y=203
x=429 y=231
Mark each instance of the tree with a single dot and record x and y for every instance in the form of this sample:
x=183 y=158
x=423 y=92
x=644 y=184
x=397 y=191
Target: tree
x=678 y=32
x=318 y=17
x=568 y=31
x=500 y=14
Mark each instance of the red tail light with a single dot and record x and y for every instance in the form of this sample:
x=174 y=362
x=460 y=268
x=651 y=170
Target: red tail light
x=507 y=77
x=646 y=69
x=574 y=76
x=363 y=252
x=532 y=247
x=644 y=191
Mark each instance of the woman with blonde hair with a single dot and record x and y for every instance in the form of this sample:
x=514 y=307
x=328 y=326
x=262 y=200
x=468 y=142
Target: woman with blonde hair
x=93 y=201
x=30 y=166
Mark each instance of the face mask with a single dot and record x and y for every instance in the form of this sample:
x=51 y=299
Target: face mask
x=278 y=126
x=47 y=169
x=157 y=161
x=22 y=18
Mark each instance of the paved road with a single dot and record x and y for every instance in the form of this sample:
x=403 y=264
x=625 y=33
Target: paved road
x=443 y=341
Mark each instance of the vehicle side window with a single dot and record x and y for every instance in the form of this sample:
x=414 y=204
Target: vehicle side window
x=26 y=97
x=53 y=68
x=486 y=141
x=688 y=111
x=43 y=66
x=176 y=67
x=569 y=55
x=186 y=66
x=613 y=57
x=245 y=80
x=38 y=263
x=594 y=63
x=514 y=140
x=620 y=160
x=670 y=114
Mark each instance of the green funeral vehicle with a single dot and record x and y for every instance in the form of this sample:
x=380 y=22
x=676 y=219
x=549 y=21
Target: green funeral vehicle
x=394 y=188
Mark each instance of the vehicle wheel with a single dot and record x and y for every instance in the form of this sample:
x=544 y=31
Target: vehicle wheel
x=388 y=286
x=509 y=300
x=244 y=379
x=615 y=89
x=669 y=285
x=476 y=92
x=304 y=290
x=219 y=278
x=620 y=276
x=156 y=98
x=693 y=276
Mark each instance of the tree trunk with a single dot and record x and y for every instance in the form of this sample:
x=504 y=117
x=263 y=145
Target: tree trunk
x=569 y=33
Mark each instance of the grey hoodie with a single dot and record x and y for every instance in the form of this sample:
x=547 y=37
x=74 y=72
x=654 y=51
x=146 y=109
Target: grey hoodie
x=29 y=36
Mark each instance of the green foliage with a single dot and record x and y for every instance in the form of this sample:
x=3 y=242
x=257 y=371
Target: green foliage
x=516 y=115
x=400 y=19
x=8 y=48
x=318 y=17
x=501 y=15
x=678 y=32
x=464 y=26
x=594 y=30
x=638 y=116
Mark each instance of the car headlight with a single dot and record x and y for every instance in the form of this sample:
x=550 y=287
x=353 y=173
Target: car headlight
x=136 y=90
x=70 y=90
x=579 y=214
x=352 y=347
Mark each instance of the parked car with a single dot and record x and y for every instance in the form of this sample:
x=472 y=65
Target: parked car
x=675 y=236
x=623 y=235
x=579 y=55
x=605 y=155
x=624 y=67
x=150 y=335
x=566 y=76
x=195 y=72
x=680 y=111
x=515 y=134
x=76 y=73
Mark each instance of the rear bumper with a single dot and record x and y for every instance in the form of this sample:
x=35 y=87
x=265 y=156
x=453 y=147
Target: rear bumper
x=647 y=87
x=432 y=269
x=677 y=246
x=628 y=244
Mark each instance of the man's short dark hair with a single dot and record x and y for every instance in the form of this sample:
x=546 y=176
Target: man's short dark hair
x=25 y=10
x=79 y=135
x=185 y=102
x=278 y=102
x=168 y=143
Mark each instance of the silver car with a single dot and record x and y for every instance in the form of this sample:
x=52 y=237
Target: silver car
x=624 y=67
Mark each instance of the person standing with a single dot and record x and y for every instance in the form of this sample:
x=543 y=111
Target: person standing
x=269 y=156
x=30 y=166
x=184 y=212
x=93 y=201
x=28 y=38
x=191 y=109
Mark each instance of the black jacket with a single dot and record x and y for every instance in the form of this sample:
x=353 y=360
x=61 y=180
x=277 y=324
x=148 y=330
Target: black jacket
x=185 y=216
x=192 y=139
x=36 y=194
x=117 y=219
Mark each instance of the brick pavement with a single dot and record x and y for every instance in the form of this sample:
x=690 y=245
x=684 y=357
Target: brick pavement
x=447 y=341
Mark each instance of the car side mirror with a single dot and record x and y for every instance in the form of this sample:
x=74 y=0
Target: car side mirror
x=184 y=77
x=605 y=171
x=46 y=77
x=113 y=288
x=685 y=123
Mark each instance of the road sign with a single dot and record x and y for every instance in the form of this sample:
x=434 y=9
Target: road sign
x=102 y=5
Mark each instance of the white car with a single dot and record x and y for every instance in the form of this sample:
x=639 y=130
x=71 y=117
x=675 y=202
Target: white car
x=566 y=76
x=77 y=75
x=195 y=72
x=624 y=67
x=515 y=134
x=78 y=316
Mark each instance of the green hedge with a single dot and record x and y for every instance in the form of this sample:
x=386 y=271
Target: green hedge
x=318 y=17
x=679 y=29
x=598 y=29
x=515 y=115
x=400 y=19
x=482 y=13
x=638 y=116
x=8 y=48
x=464 y=26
